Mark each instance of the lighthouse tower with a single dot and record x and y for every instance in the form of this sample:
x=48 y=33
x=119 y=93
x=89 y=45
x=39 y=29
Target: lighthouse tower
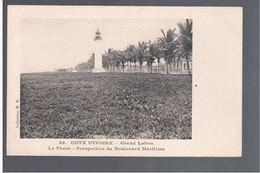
x=98 y=53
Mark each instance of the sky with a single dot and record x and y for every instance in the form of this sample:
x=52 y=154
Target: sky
x=49 y=44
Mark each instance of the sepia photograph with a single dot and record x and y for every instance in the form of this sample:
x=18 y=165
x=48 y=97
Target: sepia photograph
x=91 y=78
x=124 y=81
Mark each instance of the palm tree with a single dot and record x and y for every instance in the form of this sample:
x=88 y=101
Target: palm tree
x=130 y=55
x=122 y=59
x=114 y=59
x=141 y=53
x=185 y=40
x=105 y=61
x=109 y=55
x=91 y=61
x=168 y=46
x=160 y=53
x=135 y=55
x=153 y=51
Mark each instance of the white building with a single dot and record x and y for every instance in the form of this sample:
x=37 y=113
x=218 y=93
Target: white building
x=98 y=53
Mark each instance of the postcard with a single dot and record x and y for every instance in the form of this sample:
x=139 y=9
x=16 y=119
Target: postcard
x=124 y=81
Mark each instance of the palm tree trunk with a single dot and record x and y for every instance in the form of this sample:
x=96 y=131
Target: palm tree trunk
x=148 y=66
x=167 y=70
x=188 y=64
x=158 y=66
x=140 y=67
x=174 y=64
x=130 y=67
x=151 y=67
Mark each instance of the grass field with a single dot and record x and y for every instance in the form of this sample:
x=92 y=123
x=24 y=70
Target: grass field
x=107 y=105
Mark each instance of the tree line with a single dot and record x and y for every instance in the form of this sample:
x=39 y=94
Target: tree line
x=171 y=46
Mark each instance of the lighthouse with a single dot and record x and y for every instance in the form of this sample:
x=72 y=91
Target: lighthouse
x=98 y=53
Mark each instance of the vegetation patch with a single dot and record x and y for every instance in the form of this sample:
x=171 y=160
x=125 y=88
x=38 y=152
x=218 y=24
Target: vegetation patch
x=107 y=105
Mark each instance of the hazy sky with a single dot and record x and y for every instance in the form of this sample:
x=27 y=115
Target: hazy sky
x=48 y=44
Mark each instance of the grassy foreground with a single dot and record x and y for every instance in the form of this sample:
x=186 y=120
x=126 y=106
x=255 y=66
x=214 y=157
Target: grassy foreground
x=107 y=105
